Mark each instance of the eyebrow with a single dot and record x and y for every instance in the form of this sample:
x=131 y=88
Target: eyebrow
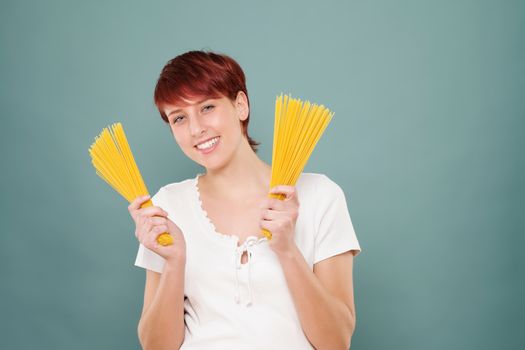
x=180 y=109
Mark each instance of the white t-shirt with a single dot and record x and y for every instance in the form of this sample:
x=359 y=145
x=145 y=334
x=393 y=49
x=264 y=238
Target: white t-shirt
x=230 y=305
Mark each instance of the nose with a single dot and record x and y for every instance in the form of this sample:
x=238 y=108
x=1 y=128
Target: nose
x=196 y=127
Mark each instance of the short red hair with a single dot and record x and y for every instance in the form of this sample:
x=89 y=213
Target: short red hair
x=196 y=74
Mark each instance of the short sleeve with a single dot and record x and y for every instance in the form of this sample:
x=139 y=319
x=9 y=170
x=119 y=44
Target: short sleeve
x=334 y=230
x=146 y=258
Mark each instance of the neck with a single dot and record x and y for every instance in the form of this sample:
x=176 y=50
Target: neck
x=245 y=174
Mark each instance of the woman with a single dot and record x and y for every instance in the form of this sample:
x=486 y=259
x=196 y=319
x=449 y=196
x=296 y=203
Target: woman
x=222 y=285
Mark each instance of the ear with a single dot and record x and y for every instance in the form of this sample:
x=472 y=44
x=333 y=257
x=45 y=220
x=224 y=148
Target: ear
x=241 y=104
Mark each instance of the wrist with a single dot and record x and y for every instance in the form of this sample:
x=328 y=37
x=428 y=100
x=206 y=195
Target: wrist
x=287 y=254
x=176 y=260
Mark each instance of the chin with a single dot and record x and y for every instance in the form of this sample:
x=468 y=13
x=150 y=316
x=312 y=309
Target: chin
x=212 y=162
x=213 y=166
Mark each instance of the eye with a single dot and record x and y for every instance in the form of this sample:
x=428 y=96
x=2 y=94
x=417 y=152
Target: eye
x=207 y=108
x=177 y=119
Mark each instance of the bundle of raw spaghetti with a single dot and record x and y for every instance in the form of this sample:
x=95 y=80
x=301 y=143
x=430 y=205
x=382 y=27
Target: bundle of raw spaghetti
x=298 y=126
x=112 y=158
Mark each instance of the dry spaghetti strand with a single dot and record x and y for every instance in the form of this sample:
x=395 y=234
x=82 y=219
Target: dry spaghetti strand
x=298 y=126
x=114 y=163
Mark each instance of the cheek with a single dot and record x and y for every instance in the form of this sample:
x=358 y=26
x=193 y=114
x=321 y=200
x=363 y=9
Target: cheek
x=179 y=137
x=185 y=144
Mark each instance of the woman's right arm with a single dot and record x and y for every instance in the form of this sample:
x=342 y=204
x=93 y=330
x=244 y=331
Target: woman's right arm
x=161 y=324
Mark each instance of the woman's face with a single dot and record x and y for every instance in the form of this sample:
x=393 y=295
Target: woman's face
x=208 y=130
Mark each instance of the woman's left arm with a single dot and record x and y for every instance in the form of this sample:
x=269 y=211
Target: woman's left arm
x=324 y=298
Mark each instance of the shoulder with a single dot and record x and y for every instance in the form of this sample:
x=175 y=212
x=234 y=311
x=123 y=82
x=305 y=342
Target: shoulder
x=318 y=185
x=179 y=188
x=174 y=192
x=321 y=194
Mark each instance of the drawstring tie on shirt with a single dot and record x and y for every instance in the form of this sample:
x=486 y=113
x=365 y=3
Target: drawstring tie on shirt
x=245 y=247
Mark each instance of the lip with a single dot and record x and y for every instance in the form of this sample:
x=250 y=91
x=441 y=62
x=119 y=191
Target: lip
x=212 y=148
x=203 y=141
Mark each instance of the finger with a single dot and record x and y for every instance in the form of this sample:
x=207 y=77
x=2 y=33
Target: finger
x=149 y=240
x=146 y=224
x=158 y=220
x=276 y=204
x=159 y=229
x=153 y=211
x=265 y=225
x=271 y=226
x=281 y=206
x=269 y=214
x=144 y=228
x=288 y=191
x=150 y=237
x=281 y=218
x=137 y=202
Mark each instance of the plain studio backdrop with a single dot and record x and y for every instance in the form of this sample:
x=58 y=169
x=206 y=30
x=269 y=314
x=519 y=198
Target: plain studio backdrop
x=426 y=142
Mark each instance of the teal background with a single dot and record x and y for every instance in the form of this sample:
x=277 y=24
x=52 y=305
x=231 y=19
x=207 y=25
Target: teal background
x=426 y=143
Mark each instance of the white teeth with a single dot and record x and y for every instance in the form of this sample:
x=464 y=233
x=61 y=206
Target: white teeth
x=208 y=144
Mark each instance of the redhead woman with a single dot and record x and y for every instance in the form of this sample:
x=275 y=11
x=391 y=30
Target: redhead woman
x=222 y=284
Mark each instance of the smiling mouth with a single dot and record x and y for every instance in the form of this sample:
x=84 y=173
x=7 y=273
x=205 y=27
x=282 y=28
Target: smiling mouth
x=207 y=144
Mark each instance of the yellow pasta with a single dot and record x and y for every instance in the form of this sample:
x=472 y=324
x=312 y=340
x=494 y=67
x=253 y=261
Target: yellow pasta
x=114 y=163
x=298 y=126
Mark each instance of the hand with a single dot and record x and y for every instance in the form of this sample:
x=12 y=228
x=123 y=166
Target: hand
x=279 y=217
x=151 y=222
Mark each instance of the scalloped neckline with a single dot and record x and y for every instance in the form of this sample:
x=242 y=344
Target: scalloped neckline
x=204 y=213
x=210 y=224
